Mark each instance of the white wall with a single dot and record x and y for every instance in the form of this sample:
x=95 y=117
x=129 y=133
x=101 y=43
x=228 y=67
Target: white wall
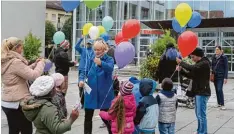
x=19 y=17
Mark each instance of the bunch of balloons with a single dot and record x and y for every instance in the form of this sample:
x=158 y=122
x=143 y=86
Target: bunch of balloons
x=184 y=17
x=125 y=51
x=187 y=41
x=99 y=31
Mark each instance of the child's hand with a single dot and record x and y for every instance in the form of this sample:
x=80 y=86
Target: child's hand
x=74 y=115
x=98 y=61
x=81 y=84
x=75 y=62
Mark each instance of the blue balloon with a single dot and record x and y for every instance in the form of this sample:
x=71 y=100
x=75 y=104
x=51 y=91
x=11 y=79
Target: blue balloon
x=105 y=37
x=176 y=26
x=195 y=20
x=69 y=6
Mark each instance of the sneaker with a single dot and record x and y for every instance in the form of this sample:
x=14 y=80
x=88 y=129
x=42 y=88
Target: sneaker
x=217 y=106
x=223 y=108
x=103 y=125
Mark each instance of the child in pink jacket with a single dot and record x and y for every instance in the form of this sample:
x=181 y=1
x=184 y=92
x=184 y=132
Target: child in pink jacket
x=122 y=111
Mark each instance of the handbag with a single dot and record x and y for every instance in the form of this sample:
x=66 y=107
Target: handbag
x=212 y=74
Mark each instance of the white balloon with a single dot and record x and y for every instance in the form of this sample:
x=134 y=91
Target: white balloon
x=94 y=32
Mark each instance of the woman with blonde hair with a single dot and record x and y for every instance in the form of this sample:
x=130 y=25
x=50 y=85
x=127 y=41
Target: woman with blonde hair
x=100 y=81
x=15 y=75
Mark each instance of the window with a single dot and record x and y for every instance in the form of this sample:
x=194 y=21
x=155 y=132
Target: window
x=145 y=10
x=53 y=17
x=170 y=9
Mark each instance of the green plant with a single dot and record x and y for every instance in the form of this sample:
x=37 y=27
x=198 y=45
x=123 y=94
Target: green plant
x=149 y=66
x=160 y=45
x=49 y=32
x=67 y=29
x=32 y=47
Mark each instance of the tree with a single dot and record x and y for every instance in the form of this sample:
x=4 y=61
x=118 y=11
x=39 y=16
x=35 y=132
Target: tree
x=32 y=47
x=49 y=32
x=67 y=29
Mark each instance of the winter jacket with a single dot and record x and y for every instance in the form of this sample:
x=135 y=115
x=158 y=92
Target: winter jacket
x=147 y=110
x=15 y=75
x=167 y=102
x=111 y=53
x=45 y=117
x=62 y=62
x=86 y=57
x=100 y=81
x=220 y=67
x=167 y=65
x=130 y=111
x=200 y=75
x=135 y=90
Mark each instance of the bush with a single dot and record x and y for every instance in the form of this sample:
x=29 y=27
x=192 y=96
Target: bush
x=32 y=47
x=49 y=32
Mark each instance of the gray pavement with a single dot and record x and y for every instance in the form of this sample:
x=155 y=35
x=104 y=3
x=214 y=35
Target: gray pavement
x=219 y=121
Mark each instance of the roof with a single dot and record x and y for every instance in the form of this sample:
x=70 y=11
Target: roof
x=54 y=5
x=206 y=23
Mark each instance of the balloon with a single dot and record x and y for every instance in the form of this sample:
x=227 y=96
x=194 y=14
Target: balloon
x=86 y=28
x=176 y=26
x=69 y=6
x=107 y=23
x=94 y=32
x=183 y=13
x=92 y=4
x=187 y=42
x=124 y=54
x=195 y=20
x=119 y=38
x=59 y=37
x=105 y=37
x=101 y=30
x=131 y=28
x=48 y=65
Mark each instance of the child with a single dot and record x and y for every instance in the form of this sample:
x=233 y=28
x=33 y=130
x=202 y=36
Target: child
x=167 y=102
x=122 y=111
x=86 y=56
x=62 y=63
x=59 y=97
x=39 y=109
x=147 y=110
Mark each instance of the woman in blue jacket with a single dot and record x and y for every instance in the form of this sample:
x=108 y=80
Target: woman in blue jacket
x=220 y=71
x=100 y=81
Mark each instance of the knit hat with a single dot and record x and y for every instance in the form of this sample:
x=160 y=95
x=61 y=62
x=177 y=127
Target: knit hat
x=198 y=52
x=126 y=88
x=167 y=84
x=58 y=79
x=42 y=86
x=65 y=44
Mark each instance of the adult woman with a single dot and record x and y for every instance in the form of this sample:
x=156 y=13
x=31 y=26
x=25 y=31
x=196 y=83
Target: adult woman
x=15 y=74
x=100 y=81
x=220 y=73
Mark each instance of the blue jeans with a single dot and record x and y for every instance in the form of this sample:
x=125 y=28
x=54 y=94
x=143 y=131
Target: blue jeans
x=200 y=110
x=218 y=83
x=166 y=128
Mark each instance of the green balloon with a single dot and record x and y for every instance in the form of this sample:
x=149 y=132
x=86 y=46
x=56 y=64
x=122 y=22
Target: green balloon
x=92 y=4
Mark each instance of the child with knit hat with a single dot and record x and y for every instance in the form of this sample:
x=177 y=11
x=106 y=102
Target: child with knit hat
x=44 y=114
x=122 y=111
x=167 y=102
x=62 y=63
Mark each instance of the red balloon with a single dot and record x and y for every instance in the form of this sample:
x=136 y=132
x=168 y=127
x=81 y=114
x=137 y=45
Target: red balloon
x=119 y=38
x=131 y=28
x=187 y=43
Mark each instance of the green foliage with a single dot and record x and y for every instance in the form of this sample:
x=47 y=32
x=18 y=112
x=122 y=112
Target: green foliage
x=160 y=45
x=149 y=66
x=227 y=50
x=49 y=32
x=67 y=29
x=32 y=47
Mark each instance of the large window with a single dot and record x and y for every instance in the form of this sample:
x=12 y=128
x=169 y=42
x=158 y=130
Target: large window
x=202 y=7
x=100 y=12
x=145 y=10
x=133 y=11
x=229 y=9
x=217 y=9
x=170 y=9
x=113 y=9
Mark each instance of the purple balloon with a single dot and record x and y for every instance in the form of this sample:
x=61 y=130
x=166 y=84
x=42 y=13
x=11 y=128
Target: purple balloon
x=48 y=66
x=124 y=54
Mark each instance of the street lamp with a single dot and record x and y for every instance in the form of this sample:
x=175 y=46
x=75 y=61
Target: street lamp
x=59 y=24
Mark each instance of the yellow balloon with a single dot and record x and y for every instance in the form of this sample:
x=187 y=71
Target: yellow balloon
x=183 y=13
x=101 y=30
x=86 y=28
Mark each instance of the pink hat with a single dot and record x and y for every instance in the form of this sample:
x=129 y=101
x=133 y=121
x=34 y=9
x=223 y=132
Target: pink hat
x=58 y=79
x=65 y=44
x=126 y=88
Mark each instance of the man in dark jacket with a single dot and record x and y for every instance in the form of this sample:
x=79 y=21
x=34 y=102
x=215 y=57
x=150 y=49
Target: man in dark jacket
x=62 y=63
x=200 y=75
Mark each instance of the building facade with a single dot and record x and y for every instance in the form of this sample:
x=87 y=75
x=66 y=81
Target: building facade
x=148 y=10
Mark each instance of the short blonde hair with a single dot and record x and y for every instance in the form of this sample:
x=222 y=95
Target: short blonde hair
x=100 y=44
x=10 y=44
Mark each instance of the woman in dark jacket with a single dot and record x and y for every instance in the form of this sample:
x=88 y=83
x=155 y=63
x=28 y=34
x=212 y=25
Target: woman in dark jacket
x=220 y=71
